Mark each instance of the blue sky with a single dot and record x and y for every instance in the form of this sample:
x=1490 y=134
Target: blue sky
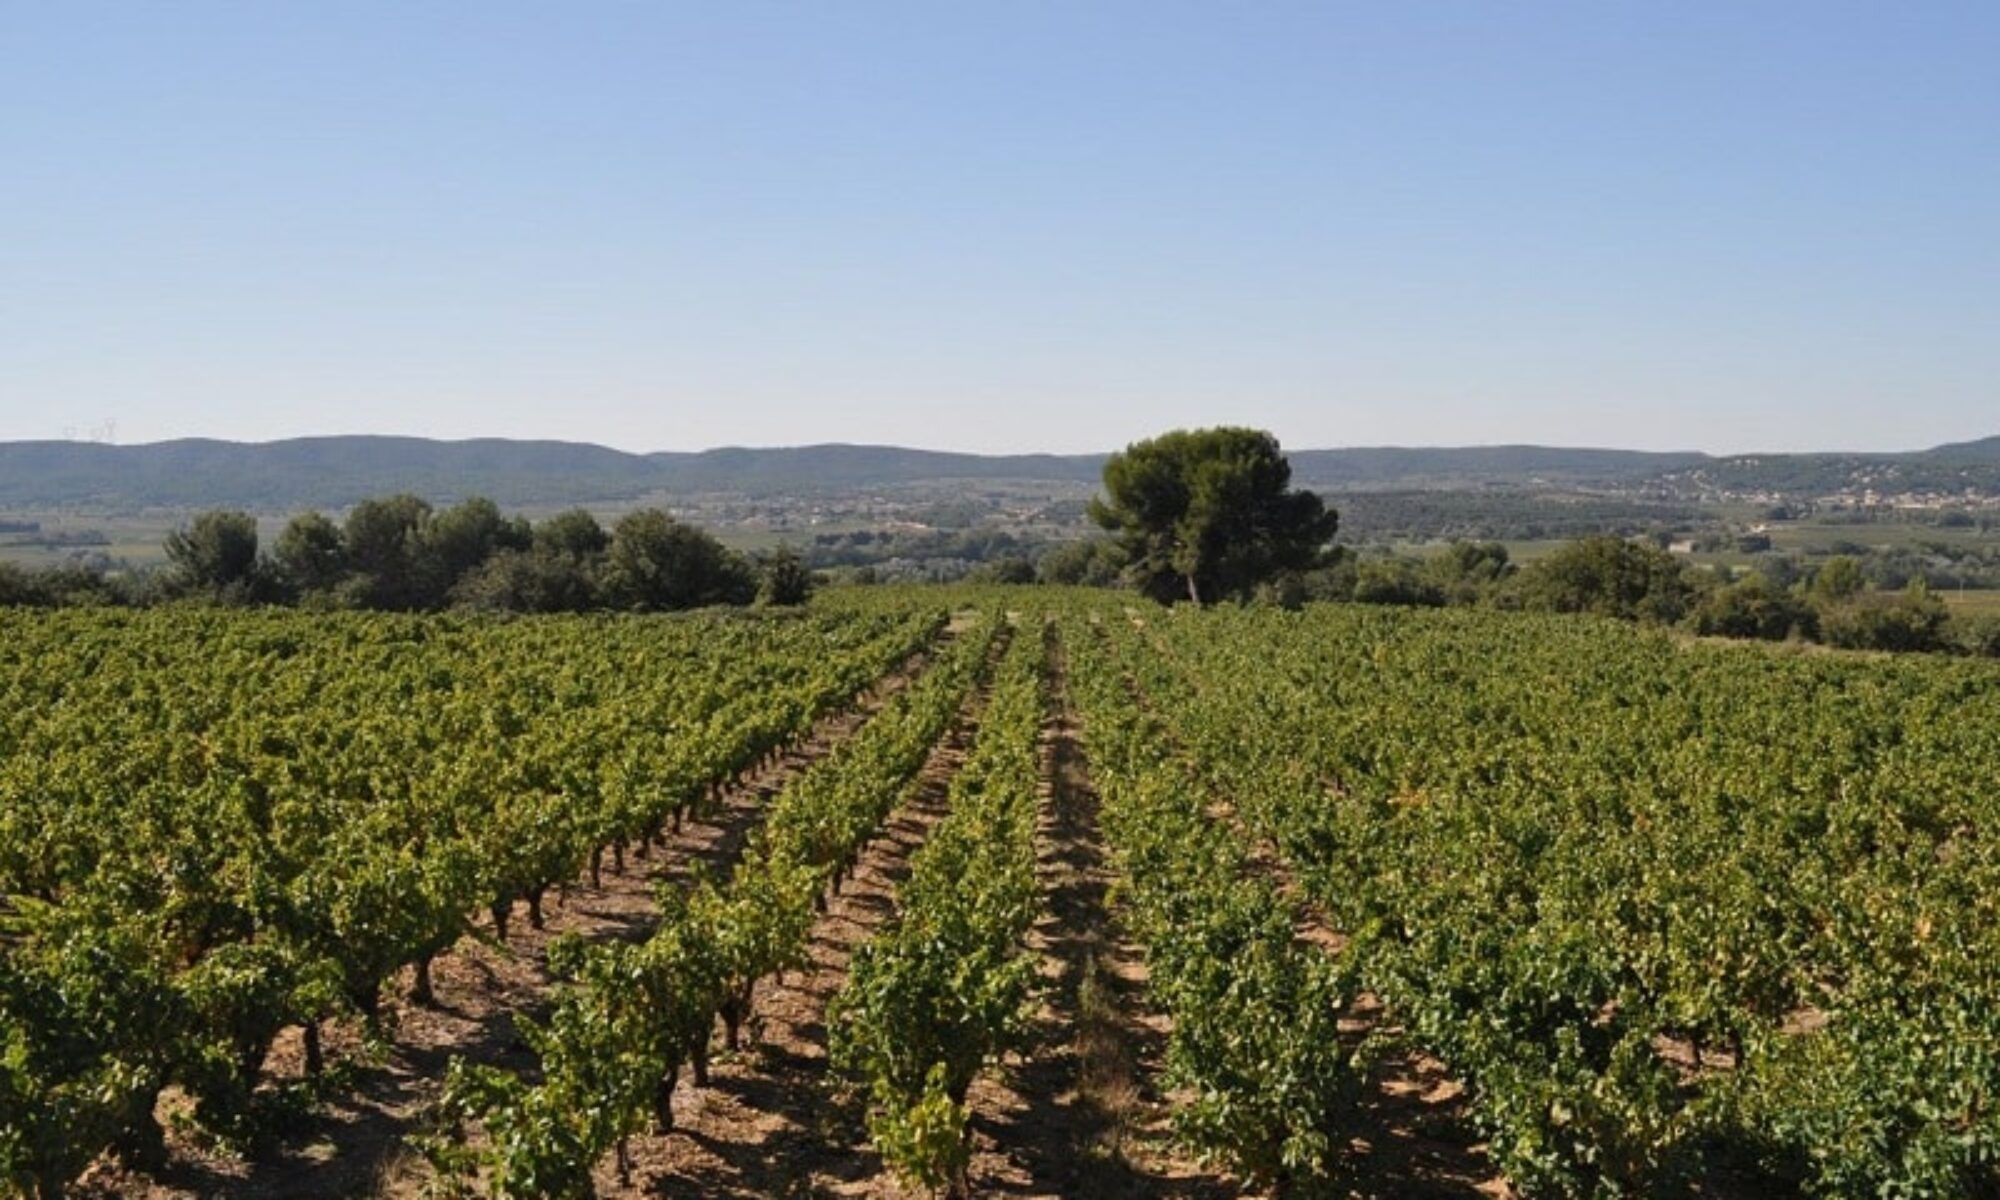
x=1011 y=226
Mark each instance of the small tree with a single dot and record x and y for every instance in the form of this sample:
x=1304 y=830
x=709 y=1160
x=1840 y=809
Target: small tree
x=536 y=581
x=786 y=580
x=18 y=586
x=1913 y=619
x=1978 y=635
x=1209 y=513
x=656 y=562
x=1091 y=562
x=1396 y=581
x=1754 y=607
x=574 y=533
x=1467 y=571
x=1610 y=577
x=384 y=538
x=464 y=536
x=1838 y=578
x=311 y=556
x=217 y=551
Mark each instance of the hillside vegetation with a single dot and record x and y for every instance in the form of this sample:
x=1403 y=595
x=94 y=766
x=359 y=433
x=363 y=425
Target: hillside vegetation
x=336 y=471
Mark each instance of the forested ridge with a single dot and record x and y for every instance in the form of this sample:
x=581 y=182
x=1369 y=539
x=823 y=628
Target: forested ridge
x=332 y=472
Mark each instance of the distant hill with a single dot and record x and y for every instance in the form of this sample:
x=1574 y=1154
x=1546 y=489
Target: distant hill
x=845 y=468
x=1959 y=467
x=326 y=471
x=1985 y=451
x=332 y=472
x=1399 y=466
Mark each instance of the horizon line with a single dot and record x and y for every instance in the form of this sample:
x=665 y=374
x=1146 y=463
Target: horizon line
x=1059 y=454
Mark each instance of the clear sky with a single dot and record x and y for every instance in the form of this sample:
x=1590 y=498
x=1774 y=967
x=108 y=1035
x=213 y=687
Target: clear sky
x=1005 y=226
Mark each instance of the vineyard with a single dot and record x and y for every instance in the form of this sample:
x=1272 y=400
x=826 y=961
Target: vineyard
x=1020 y=892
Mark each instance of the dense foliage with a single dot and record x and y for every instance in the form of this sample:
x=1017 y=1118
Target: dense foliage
x=1256 y=1010
x=1666 y=909
x=1208 y=514
x=1404 y=515
x=932 y=999
x=214 y=824
x=635 y=1015
x=1670 y=910
x=398 y=554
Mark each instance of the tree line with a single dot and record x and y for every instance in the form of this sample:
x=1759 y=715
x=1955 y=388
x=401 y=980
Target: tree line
x=398 y=553
x=1208 y=515
x=1832 y=602
x=1201 y=515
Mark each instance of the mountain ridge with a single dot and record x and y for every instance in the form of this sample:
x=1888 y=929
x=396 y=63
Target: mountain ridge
x=336 y=470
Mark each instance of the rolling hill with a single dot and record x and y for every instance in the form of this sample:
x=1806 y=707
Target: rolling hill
x=332 y=472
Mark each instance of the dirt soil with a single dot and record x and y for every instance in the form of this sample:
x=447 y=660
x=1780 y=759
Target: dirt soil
x=1078 y=1114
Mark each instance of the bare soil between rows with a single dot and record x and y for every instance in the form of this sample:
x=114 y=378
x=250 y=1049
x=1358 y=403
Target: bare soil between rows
x=772 y=1122
x=1078 y=1114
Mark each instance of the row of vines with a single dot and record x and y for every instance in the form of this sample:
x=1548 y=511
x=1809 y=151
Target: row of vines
x=943 y=991
x=1255 y=1043
x=1680 y=918
x=634 y=1015
x=1675 y=913
x=217 y=825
